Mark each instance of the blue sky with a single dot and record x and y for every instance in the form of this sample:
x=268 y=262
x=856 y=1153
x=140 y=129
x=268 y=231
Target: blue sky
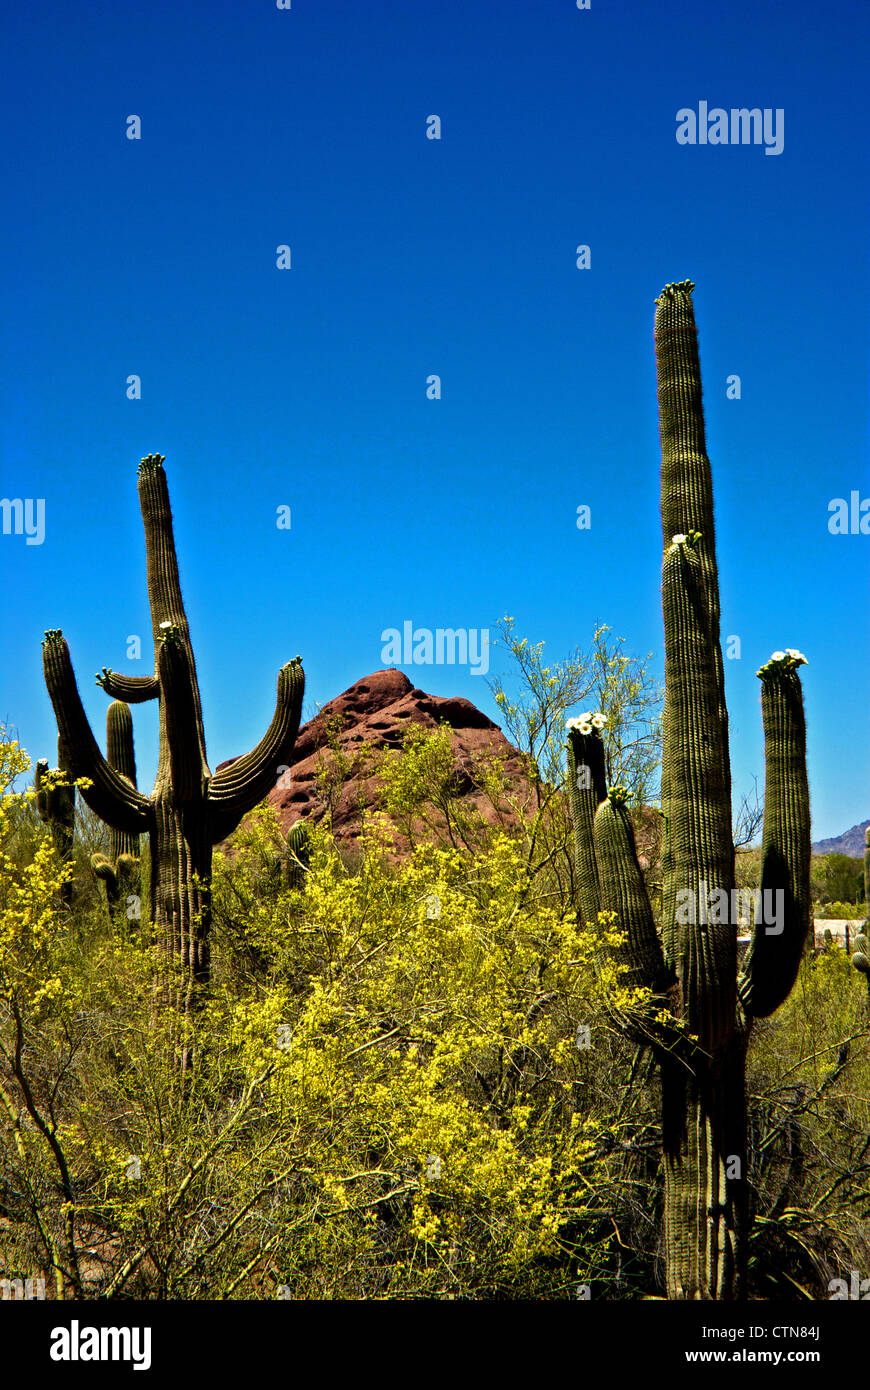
x=410 y=257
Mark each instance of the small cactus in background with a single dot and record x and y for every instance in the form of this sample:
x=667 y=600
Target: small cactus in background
x=56 y=804
x=119 y=871
x=298 y=856
x=692 y=965
x=861 y=957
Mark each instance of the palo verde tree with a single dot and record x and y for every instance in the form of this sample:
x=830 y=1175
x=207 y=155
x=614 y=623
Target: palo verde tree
x=692 y=963
x=190 y=810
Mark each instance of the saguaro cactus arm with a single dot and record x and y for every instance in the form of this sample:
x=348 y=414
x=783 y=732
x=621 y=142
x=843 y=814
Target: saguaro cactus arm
x=238 y=788
x=120 y=751
x=114 y=799
x=55 y=800
x=133 y=690
x=119 y=870
x=623 y=891
x=189 y=770
x=773 y=960
x=587 y=788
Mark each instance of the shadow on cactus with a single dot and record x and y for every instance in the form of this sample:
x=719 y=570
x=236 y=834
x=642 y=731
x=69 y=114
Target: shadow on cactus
x=689 y=967
x=190 y=809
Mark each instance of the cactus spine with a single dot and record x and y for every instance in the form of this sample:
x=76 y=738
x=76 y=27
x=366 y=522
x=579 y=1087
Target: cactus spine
x=120 y=869
x=693 y=962
x=189 y=810
x=56 y=804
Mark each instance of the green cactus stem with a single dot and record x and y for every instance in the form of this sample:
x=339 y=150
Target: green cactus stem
x=119 y=870
x=56 y=804
x=702 y=1051
x=771 y=965
x=861 y=961
x=298 y=856
x=190 y=809
x=586 y=789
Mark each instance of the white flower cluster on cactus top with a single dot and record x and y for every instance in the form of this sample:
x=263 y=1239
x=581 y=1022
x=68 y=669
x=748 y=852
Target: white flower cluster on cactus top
x=789 y=660
x=585 y=723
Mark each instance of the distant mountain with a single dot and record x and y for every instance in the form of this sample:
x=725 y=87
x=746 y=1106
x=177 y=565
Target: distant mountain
x=850 y=842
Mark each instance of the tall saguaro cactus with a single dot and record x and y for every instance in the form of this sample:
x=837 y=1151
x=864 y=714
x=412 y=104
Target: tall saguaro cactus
x=692 y=961
x=119 y=870
x=189 y=810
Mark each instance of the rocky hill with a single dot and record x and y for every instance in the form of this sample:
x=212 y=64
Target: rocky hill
x=374 y=713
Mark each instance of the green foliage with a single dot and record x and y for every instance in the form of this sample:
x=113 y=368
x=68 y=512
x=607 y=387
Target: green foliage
x=387 y=1097
x=839 y=911
x=837 y=878
x=617 y=685
x=808 y=1085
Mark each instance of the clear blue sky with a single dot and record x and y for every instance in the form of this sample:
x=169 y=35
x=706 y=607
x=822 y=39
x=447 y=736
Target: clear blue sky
x=410 y=256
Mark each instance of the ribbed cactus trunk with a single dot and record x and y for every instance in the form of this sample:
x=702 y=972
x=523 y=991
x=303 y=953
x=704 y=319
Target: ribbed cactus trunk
x=180 y=879
x=119 y=870
x=692 y=963
x=189 y=810
x=703 y=1129
x=704 y=1151
x=121 y=753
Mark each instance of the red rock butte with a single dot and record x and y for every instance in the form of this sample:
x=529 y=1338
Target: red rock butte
x=374 y=713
